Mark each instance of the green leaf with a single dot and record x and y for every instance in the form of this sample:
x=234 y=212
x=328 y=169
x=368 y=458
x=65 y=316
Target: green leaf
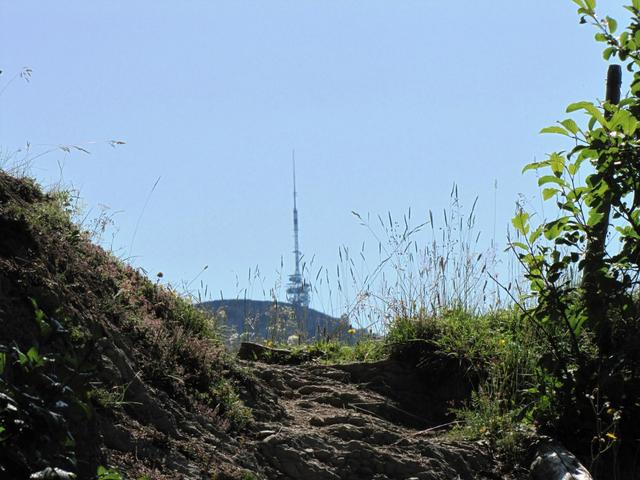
x=628 y=232
x=537 y=285
x=600 y=189
x=556 y=162
x=107 y=474
x=551 y=179
x=22 y=358
x=591 y=109
x=519 y=245
x=574 y=107
x=573 y=168
x=576 y=321
x=547 y=193
x=41 y=319
x=624 y=41
x=3 y=362
x=535 y=234
x=535 y=165
x=576 y=193
x=570 y=125
x=553 y=229
x=555 y=129
x=613 y=24
x=591 y=4
x=608 y=52
x=521 y=222
x=588 y=153
x=595 y=217
x=625 y=120
x=34 y=357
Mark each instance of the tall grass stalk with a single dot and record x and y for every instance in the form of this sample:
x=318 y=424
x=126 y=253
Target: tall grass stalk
x=424 y=270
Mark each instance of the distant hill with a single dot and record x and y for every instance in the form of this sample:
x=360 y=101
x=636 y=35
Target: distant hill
x=274 y=320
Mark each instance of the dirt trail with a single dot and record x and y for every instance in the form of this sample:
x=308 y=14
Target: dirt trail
x=347 y=422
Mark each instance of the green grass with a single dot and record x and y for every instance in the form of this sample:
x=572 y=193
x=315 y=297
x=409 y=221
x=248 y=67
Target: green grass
x=363 y=350
x=502 y=353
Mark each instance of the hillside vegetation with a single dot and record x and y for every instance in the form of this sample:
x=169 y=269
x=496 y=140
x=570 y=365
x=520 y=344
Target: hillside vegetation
x=95 y=358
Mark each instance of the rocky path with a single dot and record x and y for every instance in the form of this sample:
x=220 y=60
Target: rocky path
x=346 y=422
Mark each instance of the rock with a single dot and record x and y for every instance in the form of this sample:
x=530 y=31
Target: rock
x=338 y=428
x=554 y=462
x=116 y=437
x=261 y=353
x=52 y=473
x=262 y=434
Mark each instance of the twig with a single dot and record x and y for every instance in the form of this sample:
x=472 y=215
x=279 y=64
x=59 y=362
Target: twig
x=437 y=427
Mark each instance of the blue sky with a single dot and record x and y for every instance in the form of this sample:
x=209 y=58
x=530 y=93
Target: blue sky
x=386 y=103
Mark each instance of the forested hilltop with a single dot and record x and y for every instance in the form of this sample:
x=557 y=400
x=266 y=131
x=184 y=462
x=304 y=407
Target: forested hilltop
x=267 y=320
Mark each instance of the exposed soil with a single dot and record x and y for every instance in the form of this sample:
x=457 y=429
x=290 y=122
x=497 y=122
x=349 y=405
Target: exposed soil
x=311 y=421
x=332 y=422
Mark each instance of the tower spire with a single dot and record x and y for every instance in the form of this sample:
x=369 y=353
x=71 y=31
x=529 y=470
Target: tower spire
x=298 y=289
x=296 y=249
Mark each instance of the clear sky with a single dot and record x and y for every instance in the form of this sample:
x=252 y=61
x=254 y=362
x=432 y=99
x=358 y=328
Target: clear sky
x=386 y=103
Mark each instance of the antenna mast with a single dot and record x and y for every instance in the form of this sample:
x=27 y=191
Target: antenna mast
x=296 y=249
x=298 y=289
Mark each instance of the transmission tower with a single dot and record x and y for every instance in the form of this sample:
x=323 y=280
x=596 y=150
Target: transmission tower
x=298 y=290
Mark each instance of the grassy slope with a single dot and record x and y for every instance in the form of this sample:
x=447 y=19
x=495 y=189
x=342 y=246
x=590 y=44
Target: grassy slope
x=95 y=357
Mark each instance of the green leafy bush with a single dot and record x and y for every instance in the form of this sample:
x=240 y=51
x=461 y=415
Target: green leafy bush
x=583 y=265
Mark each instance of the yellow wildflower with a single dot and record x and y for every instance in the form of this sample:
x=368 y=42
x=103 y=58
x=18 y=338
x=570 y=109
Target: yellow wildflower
x=351 y=331
x=612 y=436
